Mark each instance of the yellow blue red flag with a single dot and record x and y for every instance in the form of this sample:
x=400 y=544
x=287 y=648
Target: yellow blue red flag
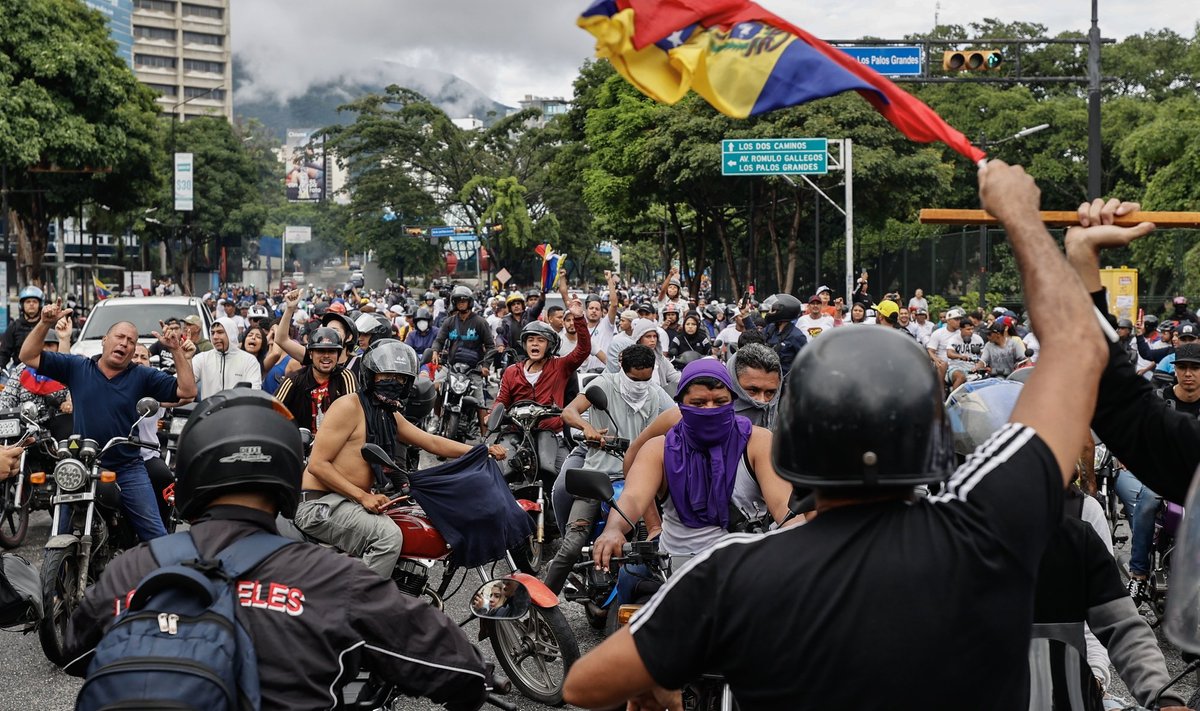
x=102 y=291
x=552 y=266
x=746 y=61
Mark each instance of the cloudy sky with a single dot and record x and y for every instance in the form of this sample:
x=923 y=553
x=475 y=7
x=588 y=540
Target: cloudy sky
x=510 y=48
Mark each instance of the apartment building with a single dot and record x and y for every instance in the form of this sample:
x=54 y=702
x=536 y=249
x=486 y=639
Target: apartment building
x=183 y=51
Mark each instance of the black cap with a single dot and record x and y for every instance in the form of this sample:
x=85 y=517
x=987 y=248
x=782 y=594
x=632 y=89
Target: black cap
x=1188 y=330
x=645 y=307
x=1187 y=353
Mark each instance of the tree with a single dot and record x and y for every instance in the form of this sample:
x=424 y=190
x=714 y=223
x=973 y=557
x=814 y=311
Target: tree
x=70 y=105
x=229 y=203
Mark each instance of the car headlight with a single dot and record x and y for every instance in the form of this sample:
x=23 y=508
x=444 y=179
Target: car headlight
x=70 y=475
x=10 y=427
x=459 y=385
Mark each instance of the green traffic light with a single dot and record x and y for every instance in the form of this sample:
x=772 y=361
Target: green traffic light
x=994 y=59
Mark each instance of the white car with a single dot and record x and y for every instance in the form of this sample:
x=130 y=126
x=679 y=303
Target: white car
x=145 y=313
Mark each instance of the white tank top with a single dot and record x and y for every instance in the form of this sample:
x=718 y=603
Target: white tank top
x=680 y=539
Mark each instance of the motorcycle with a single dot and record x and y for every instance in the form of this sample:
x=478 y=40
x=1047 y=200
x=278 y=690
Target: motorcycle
x=96 y=528
x=530 y=646
x=529 y=467
x=707 y=693
x=1106 y=489
x=460 y=409
x=417 y=408
x=1166 y=526
x=169 y=429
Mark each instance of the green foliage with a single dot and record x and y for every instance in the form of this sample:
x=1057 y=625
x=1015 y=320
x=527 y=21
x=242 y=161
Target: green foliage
x=69 y=103
x=937 y=305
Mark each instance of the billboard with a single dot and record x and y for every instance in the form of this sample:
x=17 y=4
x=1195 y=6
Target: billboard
x=304 y=161
x=119 y=14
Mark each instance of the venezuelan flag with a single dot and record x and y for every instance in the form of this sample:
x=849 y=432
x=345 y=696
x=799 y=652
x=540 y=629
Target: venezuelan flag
x=746 y=61
x=102 y=291
x=552 y=263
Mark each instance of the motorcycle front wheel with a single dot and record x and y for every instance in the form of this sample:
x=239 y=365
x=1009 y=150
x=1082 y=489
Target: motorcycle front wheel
x=14 y=514
x=60 y=597
x=536 y=652
x=450 y=425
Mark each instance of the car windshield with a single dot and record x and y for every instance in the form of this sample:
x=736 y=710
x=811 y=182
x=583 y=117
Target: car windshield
x=145 y=317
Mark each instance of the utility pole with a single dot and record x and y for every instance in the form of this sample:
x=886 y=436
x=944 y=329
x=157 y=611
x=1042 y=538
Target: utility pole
x=1094 y=141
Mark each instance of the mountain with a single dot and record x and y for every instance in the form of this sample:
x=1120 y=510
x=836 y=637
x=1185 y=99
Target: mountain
x=318 y=106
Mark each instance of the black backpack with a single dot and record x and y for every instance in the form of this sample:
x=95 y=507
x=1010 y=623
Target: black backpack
x=178 y=644
x=20 y=592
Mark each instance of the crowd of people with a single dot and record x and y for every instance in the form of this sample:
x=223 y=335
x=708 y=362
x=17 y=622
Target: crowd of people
x=737 y=411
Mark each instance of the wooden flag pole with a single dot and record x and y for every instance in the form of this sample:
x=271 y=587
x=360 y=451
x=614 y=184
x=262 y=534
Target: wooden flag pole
x=1061 y=218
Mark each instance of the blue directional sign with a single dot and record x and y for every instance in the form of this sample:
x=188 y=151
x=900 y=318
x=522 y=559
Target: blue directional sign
x=441 y=231
x=889 y=60
x=775 y=156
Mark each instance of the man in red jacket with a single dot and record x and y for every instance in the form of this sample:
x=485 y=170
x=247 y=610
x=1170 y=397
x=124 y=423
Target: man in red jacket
x=543 y=378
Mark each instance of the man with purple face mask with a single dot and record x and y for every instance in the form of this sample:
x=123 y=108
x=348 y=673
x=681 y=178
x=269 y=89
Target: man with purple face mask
x=713 y=470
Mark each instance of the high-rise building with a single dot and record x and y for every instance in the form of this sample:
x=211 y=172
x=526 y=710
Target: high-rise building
x=119 y=14
x=182 y=50
x=550 y=107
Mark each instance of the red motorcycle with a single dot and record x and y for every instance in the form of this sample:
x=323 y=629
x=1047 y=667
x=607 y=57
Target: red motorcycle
x=535 y=648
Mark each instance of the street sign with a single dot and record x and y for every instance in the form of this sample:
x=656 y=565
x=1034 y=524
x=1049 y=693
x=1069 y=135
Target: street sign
x=503 y=276
x=464 y=237
x=441 y=231
x=183 y=182
x=775 y=156
x=888 y=60
x=297 y=234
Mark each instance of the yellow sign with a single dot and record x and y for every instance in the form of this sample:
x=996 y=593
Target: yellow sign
x=1122 y=286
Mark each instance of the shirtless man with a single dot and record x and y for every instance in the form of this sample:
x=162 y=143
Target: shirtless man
x=340 y=502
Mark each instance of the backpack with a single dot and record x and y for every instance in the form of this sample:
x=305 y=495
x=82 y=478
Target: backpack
x=177 y=645
x=20 y=592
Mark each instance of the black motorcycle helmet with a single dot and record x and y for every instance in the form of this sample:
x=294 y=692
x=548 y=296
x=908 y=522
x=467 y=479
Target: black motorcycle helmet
x=781 y=307
x=323 y=338
x=862 y=409
x=542 y=329
x=376 y=326
x=388 y=356
x=238 y=440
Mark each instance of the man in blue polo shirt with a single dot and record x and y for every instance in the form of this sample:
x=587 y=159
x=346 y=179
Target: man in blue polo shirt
x=106 y=389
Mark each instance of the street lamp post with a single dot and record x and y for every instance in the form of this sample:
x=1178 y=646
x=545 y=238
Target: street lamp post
x=1094 y=140
x=985 y=246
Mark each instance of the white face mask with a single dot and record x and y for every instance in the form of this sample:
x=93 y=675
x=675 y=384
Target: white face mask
x=635 y=391
x=422 y=325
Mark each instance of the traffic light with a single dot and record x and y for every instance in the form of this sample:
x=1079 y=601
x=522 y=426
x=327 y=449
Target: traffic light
x=973 y=60
x=415 y=231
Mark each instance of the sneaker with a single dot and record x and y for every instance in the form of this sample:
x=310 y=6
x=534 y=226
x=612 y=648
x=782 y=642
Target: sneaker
x=1137 y=590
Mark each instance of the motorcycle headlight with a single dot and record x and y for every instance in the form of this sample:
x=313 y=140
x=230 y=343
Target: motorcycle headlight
x=459 y=385
x=10 y=427
x=70 y=475
x=1101 y=454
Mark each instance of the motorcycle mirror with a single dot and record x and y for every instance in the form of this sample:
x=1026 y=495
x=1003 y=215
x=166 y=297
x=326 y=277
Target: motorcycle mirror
x=427 y=356
x=29 y=411
x=1183 y=604
x=501 y=599
x=589 y=484
x=374 y=454
x=597 y=397
x=496 y=417
x=306 y=436
x=147 y=406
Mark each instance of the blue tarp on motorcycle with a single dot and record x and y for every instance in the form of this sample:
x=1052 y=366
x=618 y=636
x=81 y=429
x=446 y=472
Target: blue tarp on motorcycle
x=472 y=507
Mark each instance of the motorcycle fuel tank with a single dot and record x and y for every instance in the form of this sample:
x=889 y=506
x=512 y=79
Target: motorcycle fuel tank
x=421 y=539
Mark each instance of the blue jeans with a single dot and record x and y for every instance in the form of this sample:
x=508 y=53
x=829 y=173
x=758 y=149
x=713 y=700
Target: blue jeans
x=1142 y=505
x=139 y=500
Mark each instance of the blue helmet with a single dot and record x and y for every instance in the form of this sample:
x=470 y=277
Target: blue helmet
x=31 y=292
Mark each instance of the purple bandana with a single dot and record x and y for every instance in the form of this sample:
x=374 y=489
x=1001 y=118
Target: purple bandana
x=702 y=452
